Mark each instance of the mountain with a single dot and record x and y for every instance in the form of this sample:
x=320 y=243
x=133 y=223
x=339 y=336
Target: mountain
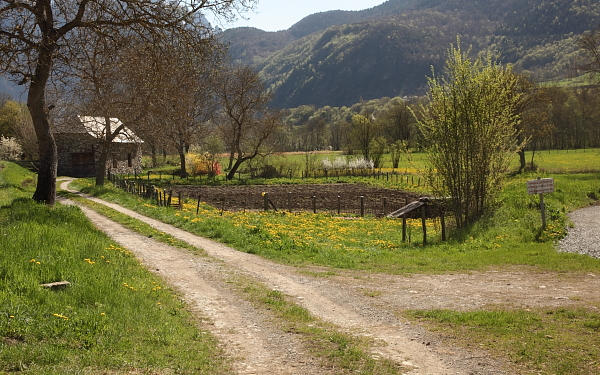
x=337 y=58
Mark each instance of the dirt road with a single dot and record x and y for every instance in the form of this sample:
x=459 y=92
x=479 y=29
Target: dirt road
x=363 y=304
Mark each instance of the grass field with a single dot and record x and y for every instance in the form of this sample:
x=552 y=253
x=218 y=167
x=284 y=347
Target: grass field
x=73 y=328
x=115 y=317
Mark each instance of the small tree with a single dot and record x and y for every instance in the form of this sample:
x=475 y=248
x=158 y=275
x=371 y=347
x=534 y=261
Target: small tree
x=469 y=129
x=246 y=121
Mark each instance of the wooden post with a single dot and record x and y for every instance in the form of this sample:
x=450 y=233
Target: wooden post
x=198 y=205
x=170 y=198
x=339 y=204
x=404 y=221
x=443 y=224
x=314 y=204
x=290 y=201
x=543 y=209
x=404 y=228
x=180 y=196
x=266 y=202
x=362 y=206
x=424 y=223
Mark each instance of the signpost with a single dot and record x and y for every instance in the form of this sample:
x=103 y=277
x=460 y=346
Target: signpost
x=541 y=186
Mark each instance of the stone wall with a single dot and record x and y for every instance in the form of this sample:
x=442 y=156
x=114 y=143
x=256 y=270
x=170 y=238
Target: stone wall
x=126 y=156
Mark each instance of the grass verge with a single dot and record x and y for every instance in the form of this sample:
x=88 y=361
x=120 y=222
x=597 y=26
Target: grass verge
x=563 y=341
x=339 y=350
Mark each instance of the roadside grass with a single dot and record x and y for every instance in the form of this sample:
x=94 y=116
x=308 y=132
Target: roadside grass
x=339 y=350
x=510 y=234
x=115 y=317
x=131 y=223
x=546 y=341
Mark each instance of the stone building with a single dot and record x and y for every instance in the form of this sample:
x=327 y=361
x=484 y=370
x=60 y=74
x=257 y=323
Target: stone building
x=79 y=143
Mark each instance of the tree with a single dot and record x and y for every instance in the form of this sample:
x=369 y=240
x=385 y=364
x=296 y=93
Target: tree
x=15 y=117
x=469 y=129
x=34 y=36
x=363 y=131
x=589 y=45
x=178 y=80
x=532 y=110
x=246 y=122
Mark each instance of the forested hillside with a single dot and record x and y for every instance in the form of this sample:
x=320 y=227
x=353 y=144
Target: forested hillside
x=338 y=58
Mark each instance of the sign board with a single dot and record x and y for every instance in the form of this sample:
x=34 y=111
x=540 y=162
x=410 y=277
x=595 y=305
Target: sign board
x=540 y=186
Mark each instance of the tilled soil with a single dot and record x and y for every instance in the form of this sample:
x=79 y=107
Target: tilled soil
x=357 y=302
x=322 y=197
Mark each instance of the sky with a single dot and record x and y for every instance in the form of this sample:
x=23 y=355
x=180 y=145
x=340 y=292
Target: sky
x=275 y=15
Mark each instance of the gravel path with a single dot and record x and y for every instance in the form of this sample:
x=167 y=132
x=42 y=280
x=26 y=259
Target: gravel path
x=356 y=302
x=584 y=237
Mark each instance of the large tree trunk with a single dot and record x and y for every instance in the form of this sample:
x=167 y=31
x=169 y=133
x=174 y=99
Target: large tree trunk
x=36 y=103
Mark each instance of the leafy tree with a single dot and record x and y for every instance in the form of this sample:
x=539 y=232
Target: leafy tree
x=35 y=37
x=362 y=133
x=469 y=128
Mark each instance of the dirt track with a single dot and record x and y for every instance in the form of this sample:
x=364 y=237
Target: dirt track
x=364 y=304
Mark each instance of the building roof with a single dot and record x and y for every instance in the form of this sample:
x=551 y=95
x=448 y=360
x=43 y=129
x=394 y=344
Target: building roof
x=96 y=127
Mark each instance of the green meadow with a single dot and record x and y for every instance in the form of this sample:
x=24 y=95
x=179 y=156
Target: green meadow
x=115 y=317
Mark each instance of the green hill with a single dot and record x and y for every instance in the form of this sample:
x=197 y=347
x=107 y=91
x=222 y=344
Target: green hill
x=336 y=58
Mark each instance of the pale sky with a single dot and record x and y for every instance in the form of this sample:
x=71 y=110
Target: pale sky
x=275 y=15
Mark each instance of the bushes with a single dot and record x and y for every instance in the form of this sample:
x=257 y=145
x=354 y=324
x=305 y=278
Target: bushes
x=10 y=149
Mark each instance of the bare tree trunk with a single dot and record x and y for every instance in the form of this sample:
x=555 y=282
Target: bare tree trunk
x=234 y=168
x=101 y=167
x=154 y=160
x=522 y=161
x=36 y=103
x=183 y=172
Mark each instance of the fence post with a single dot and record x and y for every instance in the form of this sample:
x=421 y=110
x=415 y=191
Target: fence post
x=339 y=204
x=290 y=201
x=314 y=204
x=170 y=198
x=266 y=201
x=362 y=206
x=404 y=221
x=443 y=224
x=198 y=205
x=180 y=196
x=424 y=223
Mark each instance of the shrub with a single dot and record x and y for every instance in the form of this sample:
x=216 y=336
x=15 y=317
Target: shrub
x=10 y=149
